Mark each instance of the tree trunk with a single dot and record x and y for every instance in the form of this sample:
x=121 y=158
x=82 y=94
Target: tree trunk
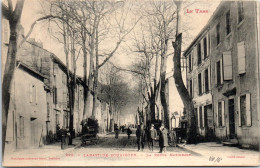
x=95 y=84
x=86 y=90
x=183 y=92
x=14 y=19
x=72 y=89
x=162 y=92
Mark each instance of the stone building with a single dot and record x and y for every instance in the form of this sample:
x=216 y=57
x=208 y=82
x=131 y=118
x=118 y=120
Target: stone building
x=233 y=33
x=198 y=76
x=27 y=116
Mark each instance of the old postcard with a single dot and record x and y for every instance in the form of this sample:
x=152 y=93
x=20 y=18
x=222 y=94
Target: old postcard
x=130 y=83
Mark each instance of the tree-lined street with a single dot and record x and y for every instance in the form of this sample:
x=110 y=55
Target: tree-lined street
x=79 y=75
x=121 y=151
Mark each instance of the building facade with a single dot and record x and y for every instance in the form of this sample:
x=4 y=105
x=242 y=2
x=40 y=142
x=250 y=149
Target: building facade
x=27 y=116
x=233 y=72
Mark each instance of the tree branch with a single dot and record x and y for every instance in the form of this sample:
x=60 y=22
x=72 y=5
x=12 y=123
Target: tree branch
x=35 y=22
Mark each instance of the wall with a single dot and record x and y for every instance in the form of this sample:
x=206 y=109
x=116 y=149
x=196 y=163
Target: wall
x=246 y=83
x=34 y=114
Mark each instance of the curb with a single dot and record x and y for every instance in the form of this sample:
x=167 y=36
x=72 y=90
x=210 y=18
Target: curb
x=188 y=150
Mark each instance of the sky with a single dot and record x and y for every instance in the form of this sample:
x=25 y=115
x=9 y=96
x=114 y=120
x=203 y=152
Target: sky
x=194 y=21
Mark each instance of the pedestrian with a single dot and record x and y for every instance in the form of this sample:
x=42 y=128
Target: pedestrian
x=116 y=132
x=63 y=134
x=140 y=136
x=129 y=132
x=151 y=137
x=163 y=139
x=173 y=137
x=67 y=138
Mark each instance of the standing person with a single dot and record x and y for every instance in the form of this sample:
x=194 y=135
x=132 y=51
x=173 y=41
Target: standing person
x=173 y=137
x=63 y=134
x=163 y=138
x=140 y=137
x=129 y=132
x=116 y=132
x=151 y=137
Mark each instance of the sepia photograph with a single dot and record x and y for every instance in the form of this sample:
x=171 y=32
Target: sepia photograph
x=130 y=83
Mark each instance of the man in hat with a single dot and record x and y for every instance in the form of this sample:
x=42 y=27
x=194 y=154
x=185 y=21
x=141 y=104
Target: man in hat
x=163 y=139
x=151 y=137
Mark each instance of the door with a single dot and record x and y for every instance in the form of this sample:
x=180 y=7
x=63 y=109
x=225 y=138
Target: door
x=208 y=115
x=232 y=130
x=34 y=133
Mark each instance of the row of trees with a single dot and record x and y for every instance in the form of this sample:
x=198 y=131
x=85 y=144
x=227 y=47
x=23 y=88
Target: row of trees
x=95 y=30
x=161 y=24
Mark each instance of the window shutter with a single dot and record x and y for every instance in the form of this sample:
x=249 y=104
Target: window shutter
x=202 y=50
x=248 y=110
x=202 y=82
x=209 y=77
x=35 y=94
x=227 y=65
x=217 y=123
x=221 y=71
x=223 y=112
x=198 y=112
x=192 y=89
x=203 y=124
x=238 y=110
x=192 y=53
x=31 y=93
x=195 y=55
x=241 y=57
x=216 y=74
x=208 y=47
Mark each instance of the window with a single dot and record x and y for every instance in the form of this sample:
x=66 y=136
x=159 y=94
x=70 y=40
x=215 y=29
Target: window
x=205 y=47
x=55 y=95
x=218 y=33
x=190 y=62
x=21 y=126
x=200 y=84
x=206 y=79
x=240 y=11
x=32 y=94
x=64 y=78
x=191 y=86
x=48 y=109
x=199 y=53
x=64 y=97
x=218 y=73
x=221 y=114
x=6 y=32
x=241 y=57
x=200 y=116
x=228 y=25
x=244 y=110
x=227 y=66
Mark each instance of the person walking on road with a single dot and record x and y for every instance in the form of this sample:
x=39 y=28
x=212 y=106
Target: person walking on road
x=140 y=135
x=173 y=137
x=116 y=132
x=163 y=139
x=151 y=137
x=63 y=134
x=129 y=132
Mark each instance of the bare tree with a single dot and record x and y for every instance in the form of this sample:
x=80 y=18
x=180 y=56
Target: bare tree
x=157 y=30
x=114 y=90
x=184 y=94
x=13 y=15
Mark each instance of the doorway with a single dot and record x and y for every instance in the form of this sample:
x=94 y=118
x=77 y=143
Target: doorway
x=34 y=133
x=232 y=129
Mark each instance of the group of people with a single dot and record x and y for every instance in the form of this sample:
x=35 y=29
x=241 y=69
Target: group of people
x=128 y=132
x=63 y=134
x=151 y=134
